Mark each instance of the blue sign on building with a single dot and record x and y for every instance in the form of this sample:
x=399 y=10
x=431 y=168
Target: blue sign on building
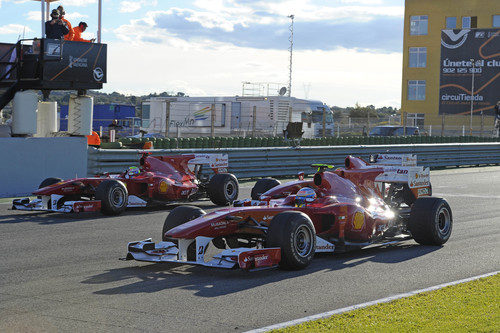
x=103 y=116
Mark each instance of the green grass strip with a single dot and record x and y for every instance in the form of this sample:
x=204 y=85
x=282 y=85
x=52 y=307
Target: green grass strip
x=469 y=307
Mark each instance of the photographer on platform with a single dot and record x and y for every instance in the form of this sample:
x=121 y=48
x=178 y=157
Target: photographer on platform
x=70 y=34
x=77 y=37
x=55 y=28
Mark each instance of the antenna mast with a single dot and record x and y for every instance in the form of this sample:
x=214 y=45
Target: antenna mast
x=290 y=39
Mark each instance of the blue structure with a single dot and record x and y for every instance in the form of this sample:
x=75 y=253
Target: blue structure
x=104 y=114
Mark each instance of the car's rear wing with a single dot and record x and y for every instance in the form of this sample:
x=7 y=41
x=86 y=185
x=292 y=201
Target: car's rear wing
x=403 y=169
x=394 y=159
x=217 y=162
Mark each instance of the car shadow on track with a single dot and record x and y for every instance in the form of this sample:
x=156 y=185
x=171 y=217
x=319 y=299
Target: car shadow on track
x=211 y=282
x=19 y=216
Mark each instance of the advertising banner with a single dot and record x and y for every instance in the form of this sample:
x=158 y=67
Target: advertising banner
x=469 y=55
x=74 y=62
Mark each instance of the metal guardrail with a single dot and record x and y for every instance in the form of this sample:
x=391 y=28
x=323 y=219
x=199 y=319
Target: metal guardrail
x=287 y=161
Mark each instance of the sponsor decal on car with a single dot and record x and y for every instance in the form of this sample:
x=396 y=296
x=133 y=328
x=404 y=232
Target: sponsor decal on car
x=423 y=191
x=325 y=247
x=163 y=187
x=420 y=178
x=359 y=221
x=219 y=225
x=262 y=257
x=397 y=159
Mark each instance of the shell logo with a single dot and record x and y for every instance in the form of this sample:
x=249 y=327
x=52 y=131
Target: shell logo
x=359 y=221
x=163 y=186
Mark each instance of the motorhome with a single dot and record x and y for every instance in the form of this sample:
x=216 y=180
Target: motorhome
x=229 y=116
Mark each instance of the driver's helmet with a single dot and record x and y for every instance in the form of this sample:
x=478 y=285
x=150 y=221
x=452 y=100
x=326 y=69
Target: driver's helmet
x=133 y=171
x=304 y=195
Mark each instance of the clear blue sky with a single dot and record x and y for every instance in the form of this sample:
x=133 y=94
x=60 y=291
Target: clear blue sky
x=214 y=45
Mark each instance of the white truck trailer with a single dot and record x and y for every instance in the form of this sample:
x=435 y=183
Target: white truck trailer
x=245 y=116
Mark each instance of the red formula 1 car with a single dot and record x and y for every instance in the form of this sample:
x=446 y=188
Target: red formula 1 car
x=359 y=205
x=158 y=180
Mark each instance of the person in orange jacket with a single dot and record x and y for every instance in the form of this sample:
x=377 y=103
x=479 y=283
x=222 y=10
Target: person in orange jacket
x=70 y=34
x=77 y=37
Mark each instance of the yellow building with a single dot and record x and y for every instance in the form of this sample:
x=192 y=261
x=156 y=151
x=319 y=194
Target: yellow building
x=423 y=22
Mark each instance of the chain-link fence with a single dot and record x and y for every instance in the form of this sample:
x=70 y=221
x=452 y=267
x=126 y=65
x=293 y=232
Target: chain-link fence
x=434 y=125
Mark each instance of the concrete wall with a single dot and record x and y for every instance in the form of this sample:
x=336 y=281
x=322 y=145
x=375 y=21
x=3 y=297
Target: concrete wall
x=25 y=162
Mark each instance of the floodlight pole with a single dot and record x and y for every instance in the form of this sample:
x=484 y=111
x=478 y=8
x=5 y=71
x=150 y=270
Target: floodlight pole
x=43 y=15
x=290 y=39
x=472 y=96
x=99 y=16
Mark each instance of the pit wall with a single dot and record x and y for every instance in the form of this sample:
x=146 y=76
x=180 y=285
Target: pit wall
x=25 y=162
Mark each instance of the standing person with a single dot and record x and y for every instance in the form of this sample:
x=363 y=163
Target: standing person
x=55 y=28
x=77 y=37
x=69 y=35
x=114 y=126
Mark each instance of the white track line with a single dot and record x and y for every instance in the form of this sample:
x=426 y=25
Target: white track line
x=364 y=305
x=467 y=195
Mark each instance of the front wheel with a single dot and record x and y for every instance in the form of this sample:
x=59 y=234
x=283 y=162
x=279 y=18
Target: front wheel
x=49 y=181
x=113 y=196
x=263 y=185
x=222 y=189
x=431 y=221
x=180 y=215
x=294 y=233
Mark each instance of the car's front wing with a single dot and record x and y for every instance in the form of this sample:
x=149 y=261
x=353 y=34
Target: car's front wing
x=51 y=204
x=245 y=258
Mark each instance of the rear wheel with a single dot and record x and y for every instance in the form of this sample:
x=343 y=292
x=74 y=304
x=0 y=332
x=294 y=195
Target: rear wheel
x=49 y=181
x=113 y=196
x=180 y=215
x=222 y=189
x=263 y=185
x=294 y=233
x=431 y=221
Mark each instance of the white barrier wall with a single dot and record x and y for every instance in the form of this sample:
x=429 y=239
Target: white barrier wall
x=25 y=162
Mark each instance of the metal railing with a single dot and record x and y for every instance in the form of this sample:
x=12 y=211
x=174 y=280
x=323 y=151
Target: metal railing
x=285 y=161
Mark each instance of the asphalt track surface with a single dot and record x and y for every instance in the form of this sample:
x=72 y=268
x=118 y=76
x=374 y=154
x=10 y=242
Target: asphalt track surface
x=60 y=272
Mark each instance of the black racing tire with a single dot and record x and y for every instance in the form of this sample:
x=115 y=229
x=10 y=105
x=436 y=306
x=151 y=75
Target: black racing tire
x=263 y=185
x=180 y=215
x=431 y=221
x=49 y=181
x=113 y=196
x=223 y=189
x=294 y=233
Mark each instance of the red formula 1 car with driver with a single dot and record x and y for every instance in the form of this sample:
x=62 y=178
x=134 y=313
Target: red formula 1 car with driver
x=361 y=204
x=158 y=180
